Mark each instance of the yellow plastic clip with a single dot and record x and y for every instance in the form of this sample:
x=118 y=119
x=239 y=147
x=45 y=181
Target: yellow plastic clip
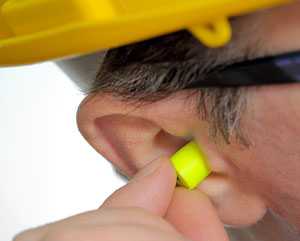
x=213 y=35
x=191 y=165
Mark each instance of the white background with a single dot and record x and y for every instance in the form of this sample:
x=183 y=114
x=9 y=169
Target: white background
x=47 y=170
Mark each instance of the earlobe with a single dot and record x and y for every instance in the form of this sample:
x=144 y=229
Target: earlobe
x=236 y=206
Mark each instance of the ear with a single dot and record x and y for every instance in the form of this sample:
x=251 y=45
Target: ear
x=128 y=136
x=131 y=136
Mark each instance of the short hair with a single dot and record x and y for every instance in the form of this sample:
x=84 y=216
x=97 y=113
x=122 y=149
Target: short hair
x=152 y=70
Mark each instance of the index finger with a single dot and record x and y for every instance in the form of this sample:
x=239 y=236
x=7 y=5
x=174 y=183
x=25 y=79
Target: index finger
x=151 y=189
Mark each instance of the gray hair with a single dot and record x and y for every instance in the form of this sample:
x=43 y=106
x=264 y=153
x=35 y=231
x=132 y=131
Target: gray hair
x=152 y=70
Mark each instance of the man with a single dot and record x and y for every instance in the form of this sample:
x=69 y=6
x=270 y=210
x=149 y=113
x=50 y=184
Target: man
x=139 y=112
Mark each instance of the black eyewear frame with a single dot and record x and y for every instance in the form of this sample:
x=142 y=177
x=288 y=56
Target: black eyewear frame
x=280 y=69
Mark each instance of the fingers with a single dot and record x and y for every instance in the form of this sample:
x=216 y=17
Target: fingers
x=190 y=212
x=127 y=213
x=113 y=233
x=151 y=189
x=194 y=216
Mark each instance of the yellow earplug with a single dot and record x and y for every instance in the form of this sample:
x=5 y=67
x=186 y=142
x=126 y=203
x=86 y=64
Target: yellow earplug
x=191 y=165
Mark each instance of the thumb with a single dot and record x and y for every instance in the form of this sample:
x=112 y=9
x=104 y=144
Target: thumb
x=151 y=189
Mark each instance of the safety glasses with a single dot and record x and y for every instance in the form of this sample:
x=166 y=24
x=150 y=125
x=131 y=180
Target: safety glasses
x=280 y=69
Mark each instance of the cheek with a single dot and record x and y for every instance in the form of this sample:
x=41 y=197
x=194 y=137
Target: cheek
x=271 y=165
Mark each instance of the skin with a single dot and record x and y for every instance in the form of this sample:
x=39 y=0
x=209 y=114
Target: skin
x=245 y=181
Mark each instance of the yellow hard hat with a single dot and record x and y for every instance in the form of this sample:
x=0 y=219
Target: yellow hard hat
x=37 y=30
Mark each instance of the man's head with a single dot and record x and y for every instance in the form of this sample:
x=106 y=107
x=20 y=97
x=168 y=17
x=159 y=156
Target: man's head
x=138 y=109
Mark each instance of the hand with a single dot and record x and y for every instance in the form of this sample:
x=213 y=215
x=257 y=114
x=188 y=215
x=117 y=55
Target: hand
x=143 y=210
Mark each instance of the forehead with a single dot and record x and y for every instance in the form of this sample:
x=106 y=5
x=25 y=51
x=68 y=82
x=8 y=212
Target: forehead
x=277 y=29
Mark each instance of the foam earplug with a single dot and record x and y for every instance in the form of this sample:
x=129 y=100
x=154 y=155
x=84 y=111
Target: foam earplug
x=191 y=165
